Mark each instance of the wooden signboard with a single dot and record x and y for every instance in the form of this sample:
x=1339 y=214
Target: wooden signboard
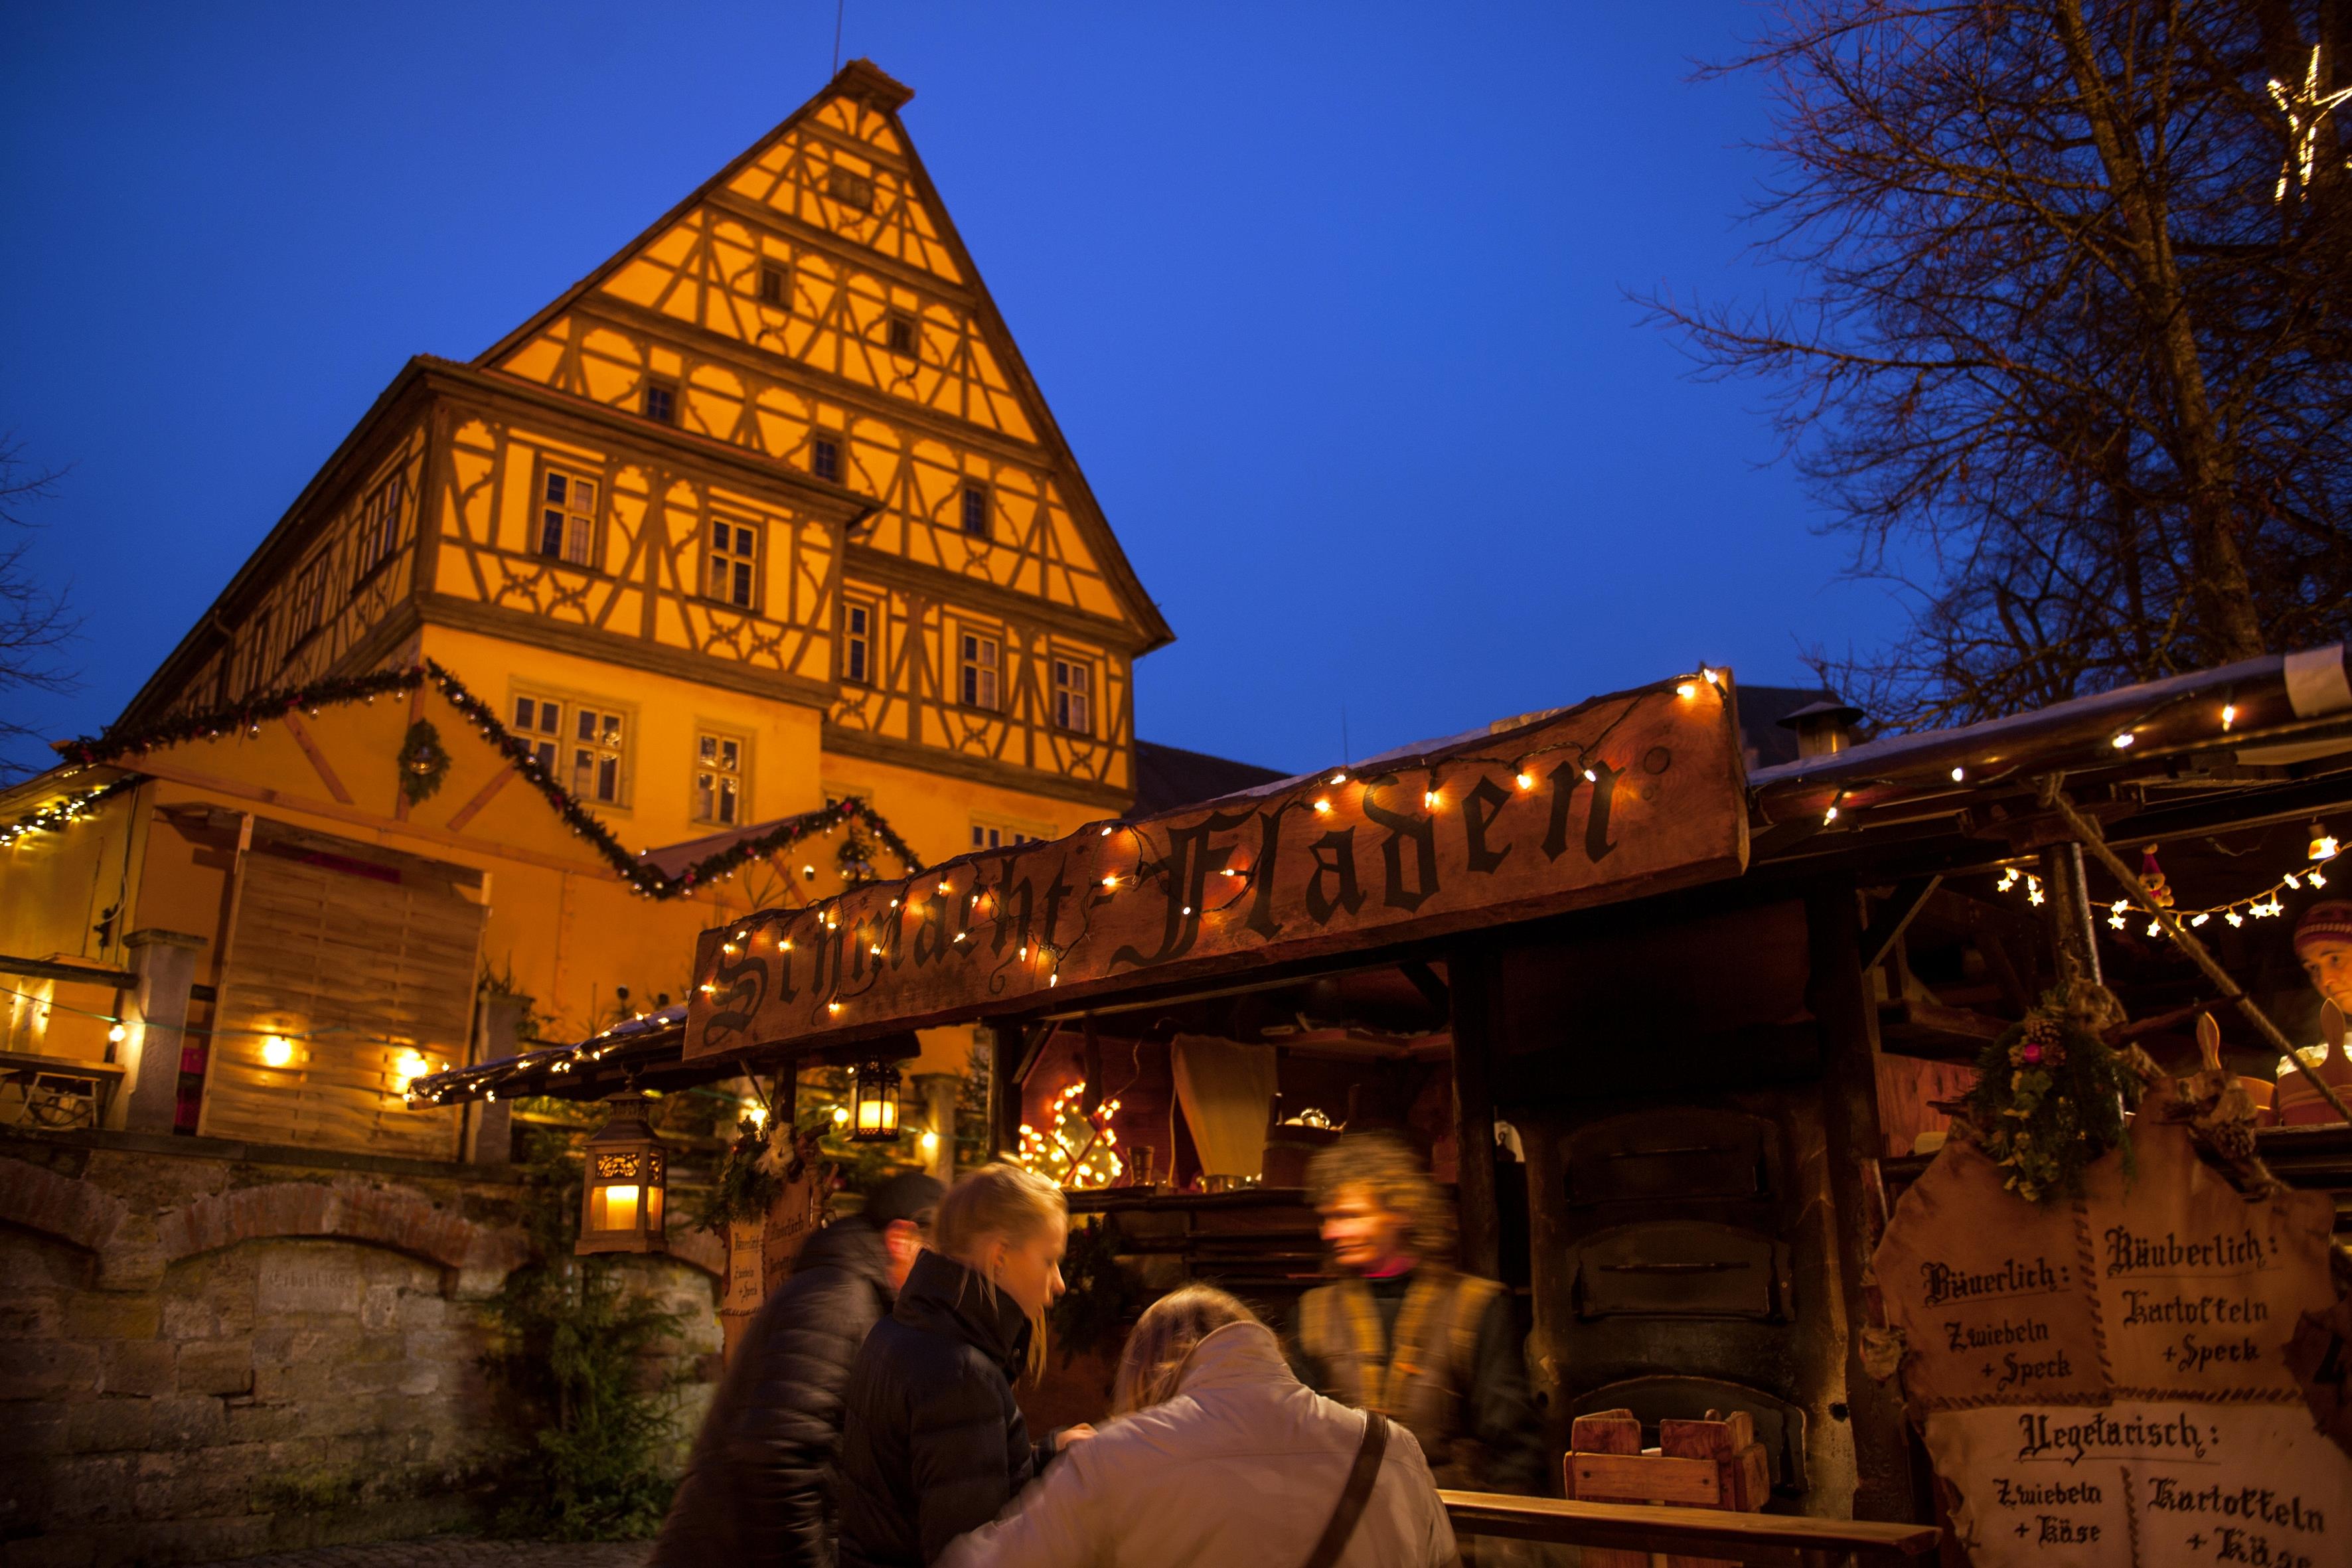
x=1624 y=795
x=2107 y=1380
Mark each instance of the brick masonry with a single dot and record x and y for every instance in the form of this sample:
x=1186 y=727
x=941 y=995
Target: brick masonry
x=209 y=1351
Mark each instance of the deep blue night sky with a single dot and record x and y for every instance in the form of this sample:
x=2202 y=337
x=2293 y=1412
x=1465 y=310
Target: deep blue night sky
x=1329 y=300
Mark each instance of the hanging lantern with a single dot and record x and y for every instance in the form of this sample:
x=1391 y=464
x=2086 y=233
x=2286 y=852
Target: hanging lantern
x=874 y=1103
x=621 y=1198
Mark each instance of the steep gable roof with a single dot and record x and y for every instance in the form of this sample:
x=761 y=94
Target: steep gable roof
x=904 y=225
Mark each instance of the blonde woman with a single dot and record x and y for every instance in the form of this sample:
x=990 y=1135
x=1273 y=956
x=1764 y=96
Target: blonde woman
x=933 y=1444
x=1218 y=1455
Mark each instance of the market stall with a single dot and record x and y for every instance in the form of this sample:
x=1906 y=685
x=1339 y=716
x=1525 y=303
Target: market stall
x=1681 y=1036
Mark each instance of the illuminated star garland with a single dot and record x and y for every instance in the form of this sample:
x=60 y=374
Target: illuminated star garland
x=2262 y=905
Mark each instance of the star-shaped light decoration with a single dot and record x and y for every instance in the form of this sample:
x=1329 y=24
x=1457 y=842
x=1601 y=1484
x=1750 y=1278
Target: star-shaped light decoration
x=2305 y=108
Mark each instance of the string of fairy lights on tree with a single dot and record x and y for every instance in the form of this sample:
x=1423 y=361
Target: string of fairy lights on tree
x=245 y=716
x=1075 y=1148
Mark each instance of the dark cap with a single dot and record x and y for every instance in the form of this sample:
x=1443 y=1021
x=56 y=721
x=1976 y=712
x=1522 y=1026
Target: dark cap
x=909 y=1195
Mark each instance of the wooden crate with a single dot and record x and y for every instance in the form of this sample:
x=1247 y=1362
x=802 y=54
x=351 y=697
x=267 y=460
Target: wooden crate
x=1713 y=1463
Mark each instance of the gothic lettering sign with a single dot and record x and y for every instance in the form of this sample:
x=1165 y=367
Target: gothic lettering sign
x=1630 y=793
x=2107 y=1380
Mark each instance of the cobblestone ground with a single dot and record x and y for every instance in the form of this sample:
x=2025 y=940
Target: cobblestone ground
x=462 y=1552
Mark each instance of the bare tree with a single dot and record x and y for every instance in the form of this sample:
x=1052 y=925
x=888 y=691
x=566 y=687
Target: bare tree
x=35 y=623
x=2073 y=361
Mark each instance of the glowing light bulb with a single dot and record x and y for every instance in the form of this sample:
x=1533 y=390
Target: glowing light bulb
x=832 y=1007
x=1687 y=689
x=278 y=1051
x=930 y=1141
x=840 y=1115
x=1960 y=775
x=2122 y=742
x=1527 y=781
x=1340 y=777
x=1430 y=797
x=1111 y=882
x=2228 y=714
x=1829 y=816
x=2199 y=920
x=116 y=1034
x=1591 y=777
x=1322 y=805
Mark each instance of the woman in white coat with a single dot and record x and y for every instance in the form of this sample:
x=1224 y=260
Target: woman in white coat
x=1218 y=1455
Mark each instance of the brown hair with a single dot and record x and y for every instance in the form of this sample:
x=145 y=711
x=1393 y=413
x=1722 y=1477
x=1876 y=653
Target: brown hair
x=1384 y=1164
x=1162 y=1341
x=1000 y=1200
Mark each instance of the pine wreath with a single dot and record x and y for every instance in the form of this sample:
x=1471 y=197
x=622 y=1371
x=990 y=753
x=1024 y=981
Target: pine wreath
x=2050 y=1099
x=423 y=761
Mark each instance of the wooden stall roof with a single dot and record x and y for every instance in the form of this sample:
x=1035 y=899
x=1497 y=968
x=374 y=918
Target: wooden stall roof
x=2282 y=749
x=1635 y=792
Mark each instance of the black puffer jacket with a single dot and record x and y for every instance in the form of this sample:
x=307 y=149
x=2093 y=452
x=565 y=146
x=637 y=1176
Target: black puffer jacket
x=758 y=1488
x=934 y=1443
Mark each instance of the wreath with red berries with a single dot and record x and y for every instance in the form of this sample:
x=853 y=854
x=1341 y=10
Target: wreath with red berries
x=2050 y=1099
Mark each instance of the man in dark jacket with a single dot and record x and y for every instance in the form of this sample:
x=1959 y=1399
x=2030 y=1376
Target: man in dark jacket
x=758 y=1487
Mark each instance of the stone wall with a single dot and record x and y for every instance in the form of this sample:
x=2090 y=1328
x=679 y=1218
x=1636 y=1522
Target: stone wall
x=209 y=1350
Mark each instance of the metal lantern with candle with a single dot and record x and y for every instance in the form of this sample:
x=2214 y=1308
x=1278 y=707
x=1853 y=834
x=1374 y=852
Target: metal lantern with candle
x=621 y=1198
x=874 y=1102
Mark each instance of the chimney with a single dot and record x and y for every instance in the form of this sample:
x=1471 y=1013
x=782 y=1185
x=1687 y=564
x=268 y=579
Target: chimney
x=1823 y=728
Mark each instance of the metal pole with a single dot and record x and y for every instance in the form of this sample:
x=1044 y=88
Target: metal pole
x=2055 y=797
x=2069 y=909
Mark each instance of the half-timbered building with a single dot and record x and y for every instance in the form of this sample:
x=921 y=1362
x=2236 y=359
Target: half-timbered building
x=764 y=514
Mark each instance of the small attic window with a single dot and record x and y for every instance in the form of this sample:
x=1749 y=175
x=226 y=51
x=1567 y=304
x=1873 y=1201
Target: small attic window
x=661 y=401
x=824 y=458
x=851 y=190
x=775 y=284
x=901 y=331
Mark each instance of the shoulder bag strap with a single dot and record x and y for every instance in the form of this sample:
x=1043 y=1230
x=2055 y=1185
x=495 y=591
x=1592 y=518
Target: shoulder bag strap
x=1355 y=1495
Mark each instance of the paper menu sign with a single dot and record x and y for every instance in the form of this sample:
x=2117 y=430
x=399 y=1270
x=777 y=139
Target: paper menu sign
x=2152 y=1484
x=2105 y=1380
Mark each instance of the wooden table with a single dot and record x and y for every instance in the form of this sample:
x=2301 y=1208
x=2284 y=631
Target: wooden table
x=1766 y=1539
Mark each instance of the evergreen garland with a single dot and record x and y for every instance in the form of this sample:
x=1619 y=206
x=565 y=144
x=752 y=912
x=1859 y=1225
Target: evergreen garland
x=247 y=717
x=2050 y=1099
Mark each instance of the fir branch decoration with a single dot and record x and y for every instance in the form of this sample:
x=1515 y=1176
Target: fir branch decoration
x=2050 y=1099
x=242 y=718
x=747 y=1184
x=247 y=717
